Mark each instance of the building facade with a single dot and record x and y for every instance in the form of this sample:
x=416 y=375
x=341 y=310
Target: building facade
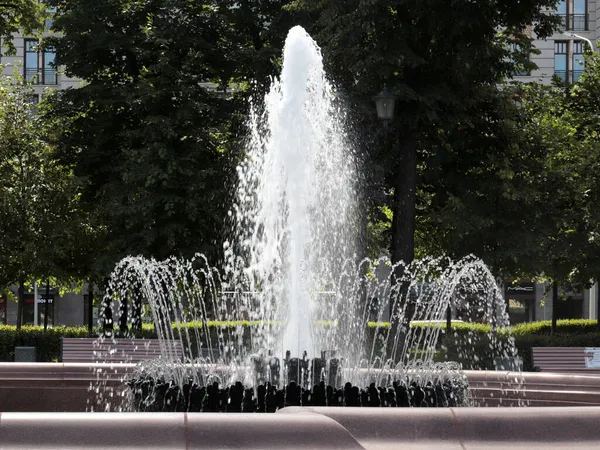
x=35 y=65
x=67 y=309
x=530 y=302
x=562 y=53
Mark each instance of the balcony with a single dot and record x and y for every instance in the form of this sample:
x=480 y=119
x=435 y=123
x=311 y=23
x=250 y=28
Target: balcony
x=568 y=76
x=41 y=76
x=574 y=22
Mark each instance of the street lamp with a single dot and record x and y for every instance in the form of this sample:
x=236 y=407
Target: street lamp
x=385 y=102
x=576 y=36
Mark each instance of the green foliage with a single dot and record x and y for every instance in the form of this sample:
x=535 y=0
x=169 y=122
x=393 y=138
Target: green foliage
x=572 y=326
x=567 y=326
x=378 y=231
x=41 y=233
x=156 y=129
x=564 y=120
x=22 y=182
x=25 y=16
x=145 y=136
x=471 y=345
x=475 y=347
x=483 y=189
x=445 y=61
x=48 y=343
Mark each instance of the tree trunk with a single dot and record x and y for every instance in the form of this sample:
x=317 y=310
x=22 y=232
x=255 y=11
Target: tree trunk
x=90 y=315
x=46 y=304
x=405 y=187
x=403 y=242
x=403 y=224
x=554 y=306
x=20 y=295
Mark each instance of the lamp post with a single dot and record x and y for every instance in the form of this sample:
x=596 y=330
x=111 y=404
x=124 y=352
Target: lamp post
x=404 y=183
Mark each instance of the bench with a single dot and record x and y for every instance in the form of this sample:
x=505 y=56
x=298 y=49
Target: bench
x=77 y=350
x=566 y=359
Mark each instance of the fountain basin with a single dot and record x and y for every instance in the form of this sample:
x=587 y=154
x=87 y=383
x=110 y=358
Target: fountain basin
x=65 y=387
x=324 y=428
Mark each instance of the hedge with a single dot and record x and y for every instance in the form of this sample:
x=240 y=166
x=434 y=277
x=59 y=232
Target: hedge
x=467 y=343
x=47 y=343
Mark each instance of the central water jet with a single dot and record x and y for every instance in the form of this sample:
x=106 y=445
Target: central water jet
x=295 y=202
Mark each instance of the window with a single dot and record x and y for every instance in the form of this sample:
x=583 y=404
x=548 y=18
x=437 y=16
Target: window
x=520 y=299
x=569 y=61
x=578 y=63
x=560 y=60
x=50 y=19
x=28 y=309
x=32 y=66
x=561 y=10
x=39 y=66
x=49 y=57
x=573 y=14
x=579 y=16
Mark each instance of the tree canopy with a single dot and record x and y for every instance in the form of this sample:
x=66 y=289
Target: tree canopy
x=446 y=62
x=153 y=144
x=26 y=16
x=145 y=134
x=567 y=120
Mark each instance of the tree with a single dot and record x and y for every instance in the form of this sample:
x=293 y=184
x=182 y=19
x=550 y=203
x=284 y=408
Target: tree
x=146 y=134
x=530 y=209
x=481 y=190
x=153 y=142
x=442 y=59
x=26 y=16
x=566 y=117
x=37 y=197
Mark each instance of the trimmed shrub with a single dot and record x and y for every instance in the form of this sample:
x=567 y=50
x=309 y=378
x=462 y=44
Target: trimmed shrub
x=468 y=343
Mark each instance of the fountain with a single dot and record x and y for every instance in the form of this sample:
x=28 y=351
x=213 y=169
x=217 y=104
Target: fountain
x=293 y=303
